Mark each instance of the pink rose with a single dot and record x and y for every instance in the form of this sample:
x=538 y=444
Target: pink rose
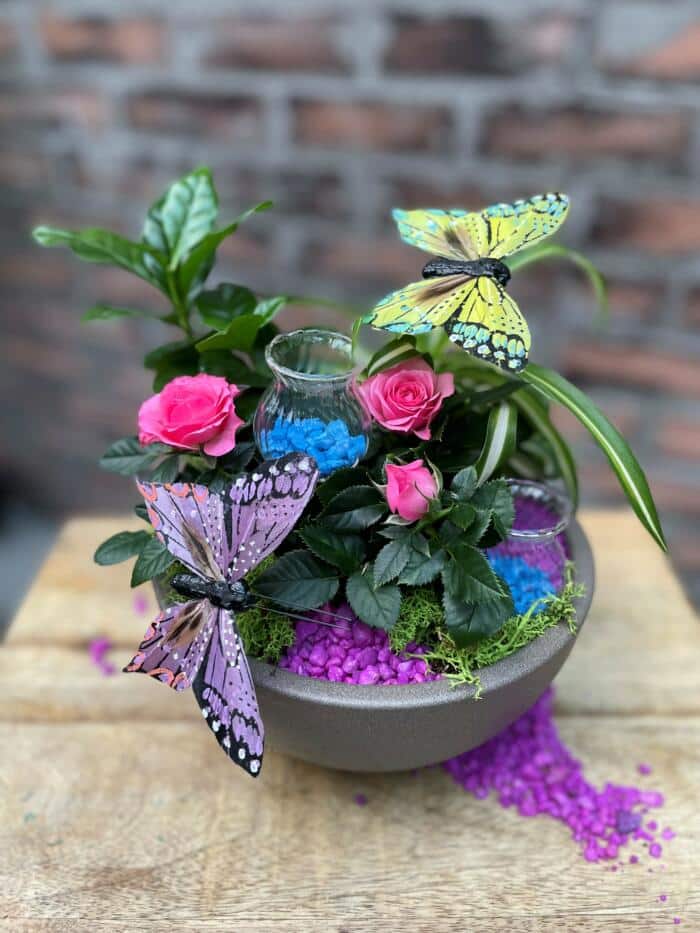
x=406 y=397
x=192 y=412
x=409 y=489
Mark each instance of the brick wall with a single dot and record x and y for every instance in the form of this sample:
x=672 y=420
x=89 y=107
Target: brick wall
x=339 y=111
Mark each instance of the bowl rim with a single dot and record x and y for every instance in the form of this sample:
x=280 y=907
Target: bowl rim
x=495 y=677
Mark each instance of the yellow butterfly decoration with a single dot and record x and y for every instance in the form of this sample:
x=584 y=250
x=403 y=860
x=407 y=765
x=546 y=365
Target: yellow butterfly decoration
x=463 y=287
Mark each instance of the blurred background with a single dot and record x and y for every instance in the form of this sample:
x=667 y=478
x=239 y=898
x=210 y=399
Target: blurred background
x=339 y=111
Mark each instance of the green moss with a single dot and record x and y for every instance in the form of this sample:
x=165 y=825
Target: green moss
x=460 y=665
x=419 y=620
x=265 y=633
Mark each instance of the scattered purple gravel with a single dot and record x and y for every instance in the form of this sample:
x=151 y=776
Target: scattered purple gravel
x=644 y=769
x=360 y=800
x=345 y=649
x=97 y=649
x=529 y=767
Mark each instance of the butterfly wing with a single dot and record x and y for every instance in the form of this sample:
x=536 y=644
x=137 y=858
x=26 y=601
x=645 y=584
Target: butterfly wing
x=504 y=229
x=266 y=505
x=420 y=306
x=496 y=232
x=226 y=695
x=441 y=233
x=488 y=324
x=189 y=520
x=173 y=646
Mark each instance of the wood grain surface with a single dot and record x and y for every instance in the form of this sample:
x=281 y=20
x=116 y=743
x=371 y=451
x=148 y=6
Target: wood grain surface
x=118 y=812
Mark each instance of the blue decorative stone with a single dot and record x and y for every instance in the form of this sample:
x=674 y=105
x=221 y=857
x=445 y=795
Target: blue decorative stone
x=330 y=443
x=527 y=583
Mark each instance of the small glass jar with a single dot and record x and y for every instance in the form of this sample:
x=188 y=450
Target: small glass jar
x=533 y=557
x=311 y=405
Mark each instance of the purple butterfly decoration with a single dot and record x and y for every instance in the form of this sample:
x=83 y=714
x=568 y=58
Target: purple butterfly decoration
x=219 y=539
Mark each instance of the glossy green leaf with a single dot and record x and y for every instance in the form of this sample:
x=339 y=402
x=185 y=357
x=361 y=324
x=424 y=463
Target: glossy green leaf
x=469 y=622
x=346 y=552
x=109 y=313
x=219 y=306
x=128 y=457
x=195 y=268
x=391 y=560
x=377 y=606
x=101 y=246
x=298 y=580
x=338 y=481
x=500 y=440
x=394 y=352
x=354 y=509
x=609 y=439
x=496 y=499
x=420 y=569
x=153 y=560
x=468 y=576
x=122 y=546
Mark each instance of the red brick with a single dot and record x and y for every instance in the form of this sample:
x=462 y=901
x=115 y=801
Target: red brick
x=578 y=133
x=372 y=125
x=685 y=551
x=630 y=366
x=35 y=269
x=599 y=483
x=367 y=262
x=411 y=193
x=680 y=438
x=692 y=312
x=321 y=195
x=102 y=39
x=245 y=248
x=664 y=226
x=23 y=169
x=475 y=45
x=625 y=414
x=640 y=301
x=674 y=59
x=231 y=118
x=52 y=108
x=273 y=43
x=8 y=41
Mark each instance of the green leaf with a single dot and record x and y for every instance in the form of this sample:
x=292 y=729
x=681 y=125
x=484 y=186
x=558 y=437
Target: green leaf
x=128 y=457
x=463 y=515
x=557 y=250
x=109 y=313
x=393 y=352
x=377 y=606
x=142 y=512
x=496 y=498
x=219 y=306
x=195 y=268
x=464 y=483
x=298 y=581
x=500 y=440
x=239 y=335
x=391 y=560
x=338 y=481
x=470 y=622
x=354 y=509
x=611 y=442
x=188 y=213
x=224 y=363
x=421 y=570
x=101 y=246
x=346 y=552
x=153 y=560
x=178 y=358
x=122 y=546
x=167 y=470
x=468 y=576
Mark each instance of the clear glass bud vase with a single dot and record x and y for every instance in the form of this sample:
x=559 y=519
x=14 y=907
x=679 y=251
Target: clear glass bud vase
x=535 y=553
x=311 y=405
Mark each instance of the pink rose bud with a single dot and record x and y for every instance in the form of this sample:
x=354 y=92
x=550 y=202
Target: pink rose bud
x=192 y=412
x=406 y=397
x=409 y=489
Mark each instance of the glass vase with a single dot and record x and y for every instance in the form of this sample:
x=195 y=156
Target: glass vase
x=535 y=553
x=311 y=405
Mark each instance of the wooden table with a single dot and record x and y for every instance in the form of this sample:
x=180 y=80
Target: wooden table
x=118 y=812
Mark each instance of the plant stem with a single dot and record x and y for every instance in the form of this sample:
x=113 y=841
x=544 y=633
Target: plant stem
x=180 y=308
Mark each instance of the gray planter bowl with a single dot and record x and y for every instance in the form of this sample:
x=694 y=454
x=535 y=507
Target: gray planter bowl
x=397 y=727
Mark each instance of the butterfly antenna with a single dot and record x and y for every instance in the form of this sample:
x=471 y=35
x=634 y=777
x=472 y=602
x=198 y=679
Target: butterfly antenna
x=326 y=612
x=301 y=618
